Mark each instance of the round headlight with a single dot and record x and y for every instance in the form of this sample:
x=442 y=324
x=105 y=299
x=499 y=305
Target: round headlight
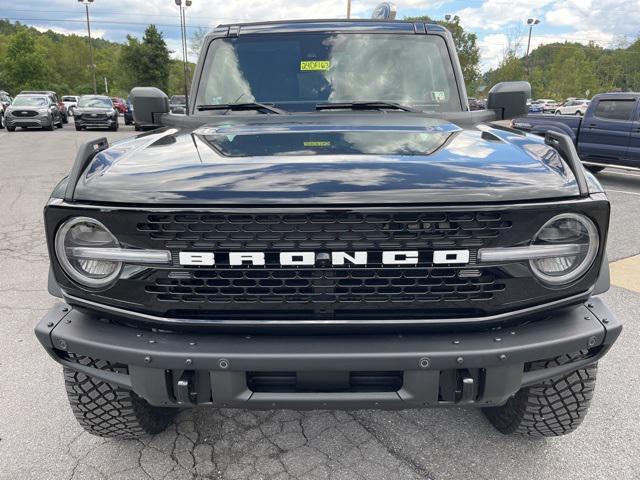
x=572 y=230
x=86 y=232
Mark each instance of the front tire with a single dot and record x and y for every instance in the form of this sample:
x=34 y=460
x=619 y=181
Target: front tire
x=551 y=408
x=110 y=411
x=558 y=112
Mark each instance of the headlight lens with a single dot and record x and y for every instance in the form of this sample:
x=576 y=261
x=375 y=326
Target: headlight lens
x=86 y=232
x=566 y=229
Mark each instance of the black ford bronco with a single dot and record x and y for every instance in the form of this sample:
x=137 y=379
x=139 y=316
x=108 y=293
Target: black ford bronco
x=329 y=226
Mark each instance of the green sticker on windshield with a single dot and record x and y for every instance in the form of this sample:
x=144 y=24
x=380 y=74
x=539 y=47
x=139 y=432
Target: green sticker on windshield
x=317 y=144
x=315 y=66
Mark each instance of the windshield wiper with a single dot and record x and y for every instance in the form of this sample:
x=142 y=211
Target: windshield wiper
x=260 y=107
x=366 y=106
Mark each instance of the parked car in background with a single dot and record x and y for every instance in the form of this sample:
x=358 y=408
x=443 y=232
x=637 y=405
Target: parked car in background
x=548 y=105
x=536 y=107
x=476 y=104
x=1 y=115
x=61 y=106
x=573 y=107
x=128 y=114
x=5 y=99
x=96 y=111
x=33 y=110
x=608 y=135
x=70 y=102
x=119 y=104
x=178 y=104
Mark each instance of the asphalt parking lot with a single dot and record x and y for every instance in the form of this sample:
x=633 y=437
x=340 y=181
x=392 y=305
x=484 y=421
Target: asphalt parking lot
x=40 y=439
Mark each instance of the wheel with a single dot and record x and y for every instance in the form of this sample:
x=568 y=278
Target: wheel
x=70 y=111
x=1 y=121
x=557 y=112
x=60 y=124
x=137 y=128
x=548 y=409
x=65 y=118
x=11 y=129
x=594 y=168
x=114 y=127
x=578 y=113
x=51 y=125
x=110 y=411
x=78 y=127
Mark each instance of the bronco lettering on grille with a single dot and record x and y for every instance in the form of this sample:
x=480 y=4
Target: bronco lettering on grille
x=291 y=259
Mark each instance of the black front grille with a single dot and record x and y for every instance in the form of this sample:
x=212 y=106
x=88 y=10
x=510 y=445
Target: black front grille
x=324 y=230
x=374 y=290
x=25 y=113
x=328 y=286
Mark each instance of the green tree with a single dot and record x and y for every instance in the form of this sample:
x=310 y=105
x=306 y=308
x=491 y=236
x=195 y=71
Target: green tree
x=147 y=62
x=466 y=46
x=25 y=65
x=196 y=40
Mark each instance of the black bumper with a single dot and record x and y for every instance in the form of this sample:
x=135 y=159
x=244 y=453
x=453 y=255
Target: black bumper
x=479 y=368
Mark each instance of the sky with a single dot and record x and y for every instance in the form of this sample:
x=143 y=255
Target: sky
x=496 y=22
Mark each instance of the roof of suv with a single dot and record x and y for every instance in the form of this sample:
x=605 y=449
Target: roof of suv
x=330 y=25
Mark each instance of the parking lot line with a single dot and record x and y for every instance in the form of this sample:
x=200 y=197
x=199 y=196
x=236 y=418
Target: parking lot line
x=626 y=273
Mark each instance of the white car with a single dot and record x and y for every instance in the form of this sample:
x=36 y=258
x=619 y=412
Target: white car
x=548 y=105
x=573 y=107
x=71 y=102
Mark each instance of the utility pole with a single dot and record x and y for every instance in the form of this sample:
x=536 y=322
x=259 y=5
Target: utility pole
x=348 y=9
x=531 y=22
x=93 y=65
x=182 y=5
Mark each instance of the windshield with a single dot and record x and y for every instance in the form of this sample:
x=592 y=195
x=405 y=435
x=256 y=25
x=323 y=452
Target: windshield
x=95 y=102
x=302 y=70
x=30 y=102
x=68 y=99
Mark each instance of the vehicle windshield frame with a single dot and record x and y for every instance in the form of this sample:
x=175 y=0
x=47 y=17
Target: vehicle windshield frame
x=457 y=96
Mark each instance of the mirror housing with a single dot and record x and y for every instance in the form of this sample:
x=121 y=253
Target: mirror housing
x=149 y=104
x=509 y=99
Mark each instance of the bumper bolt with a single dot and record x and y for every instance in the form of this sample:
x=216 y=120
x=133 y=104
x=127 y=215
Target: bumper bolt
x=152 y=341
x=138 y=335
x=502 y=357
x=592 y=341
x=590 y=305
x=424 y=362
x=50 y=324
x=605 y=320
x=65 y=309
x=63 y=344
x=193 y=344
x=456 y=342
x=497 y=339
x=459 y=360
x=147 y=359
x=189 y=361
x=587 y=317
x=223 y=363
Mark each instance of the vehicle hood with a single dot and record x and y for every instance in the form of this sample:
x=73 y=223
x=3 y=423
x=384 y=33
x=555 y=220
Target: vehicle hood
x=326 y=159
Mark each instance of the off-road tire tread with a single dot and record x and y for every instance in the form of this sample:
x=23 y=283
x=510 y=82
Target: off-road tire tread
x=552 y=408
x=111 y=411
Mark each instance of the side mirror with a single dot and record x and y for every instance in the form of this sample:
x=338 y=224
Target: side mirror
x=149 y=103
x=509 y=99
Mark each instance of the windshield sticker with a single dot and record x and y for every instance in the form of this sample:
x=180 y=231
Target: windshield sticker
x=439 y=96
x=317 y=144
x=315 y=66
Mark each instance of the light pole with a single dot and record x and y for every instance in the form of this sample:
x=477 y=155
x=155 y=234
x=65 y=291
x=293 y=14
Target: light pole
x=182 y=5
x=531 y=22
x=93 y=65
x=348 y=9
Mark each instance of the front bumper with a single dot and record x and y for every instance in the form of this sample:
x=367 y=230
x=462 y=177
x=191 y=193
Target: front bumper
x=480 y=368
x=97 y=123
x=27 y=121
